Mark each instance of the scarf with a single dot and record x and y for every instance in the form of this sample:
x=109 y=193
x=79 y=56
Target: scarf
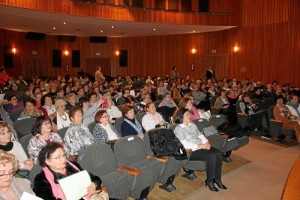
x=56 y=189
x=136 y=125
x=7 y=147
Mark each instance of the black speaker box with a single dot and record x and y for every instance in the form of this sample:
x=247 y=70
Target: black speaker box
x=203 y=5
x=75 y=58
x=123 y=57
x=7 y=57
x=35 y=36
x=56 y=58
x=98 y=39
x=66 y=38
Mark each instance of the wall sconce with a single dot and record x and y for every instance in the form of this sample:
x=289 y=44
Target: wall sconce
x=14 y=50
x=193 y=50
x=66 y=52
x=236 y=49
x=117 y=53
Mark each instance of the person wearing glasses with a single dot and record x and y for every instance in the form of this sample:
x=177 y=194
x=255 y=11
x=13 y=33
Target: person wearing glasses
x=13 y=147
x=10 y=186
x=104 y=131
x=42 y=135
x=13 y=104
x=53 y=160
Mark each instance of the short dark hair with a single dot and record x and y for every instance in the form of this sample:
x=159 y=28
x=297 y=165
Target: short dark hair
x=44 y=97
x=36 y=128
x=126 y=108
x=178 y=115
x=29 y=100
x=47 y=151
x=82 y=100
x=98 y=115
x=73 y=110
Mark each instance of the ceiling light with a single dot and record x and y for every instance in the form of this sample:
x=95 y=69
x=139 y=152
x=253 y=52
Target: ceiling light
x=54 y=28
x=101 y=31
x=154 y=29
x=194 y=31
x=112 y=27
x=65 y=22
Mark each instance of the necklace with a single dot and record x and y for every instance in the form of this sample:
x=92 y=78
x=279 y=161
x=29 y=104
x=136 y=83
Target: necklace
x=63 y=117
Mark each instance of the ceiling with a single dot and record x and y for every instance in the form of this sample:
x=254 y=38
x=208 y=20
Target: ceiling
x=24 y=20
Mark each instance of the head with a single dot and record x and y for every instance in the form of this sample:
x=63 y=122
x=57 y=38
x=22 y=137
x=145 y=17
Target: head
x=102 y=117
x=8 y=167
x=47 y=100
x=126 y=92
x=182 y=115
x=84 y=103
x=13 y=100
x=147 y=98
x=186 y=102
x=60 y=105
x=294 y=98
x=5 y=133
x=42 y=125
x=53 y=156
x=76 y=115
x=29 y=104
x=150 y=108
x=71 y=98
x=279 y=100
x=128 y=111
x=246 y=96
x=167 y=97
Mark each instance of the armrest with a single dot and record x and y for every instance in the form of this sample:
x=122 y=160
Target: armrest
x=188 y=150
x=130 y=170
x=277 y=121
x=242 y=114
x=162 y=159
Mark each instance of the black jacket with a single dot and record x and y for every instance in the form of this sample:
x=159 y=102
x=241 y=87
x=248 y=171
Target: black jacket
x=42 y=186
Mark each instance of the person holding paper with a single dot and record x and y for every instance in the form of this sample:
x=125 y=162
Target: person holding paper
x=10 y=186
x=53 y=160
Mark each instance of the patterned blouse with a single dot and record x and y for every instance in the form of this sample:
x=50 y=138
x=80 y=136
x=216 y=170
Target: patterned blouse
x=36 y=143
x=76 y=138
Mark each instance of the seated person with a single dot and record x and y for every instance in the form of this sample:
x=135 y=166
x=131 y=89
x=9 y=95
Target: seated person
x=167 y=101
x=61 y=118
x=104 y=131
x=78 y=135
x=54 y=163
x=293 y=105
x=282 y=113
x=125 y=94
x=71 y=99
x=130 y=125
x=175 y=92
x=152 y=119
x=89 y=112
x=47 y=103
x=42 y=135
x=13 y=147
x=30 y=110
x=191 y=138
x=10 y=186
x=187 y=102
x=13 y=104
x=112 y=110
x=223 y=104
x=145 y=99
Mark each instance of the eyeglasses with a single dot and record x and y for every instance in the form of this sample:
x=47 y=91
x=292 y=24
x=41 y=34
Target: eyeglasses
x=46 y=123
x=106 y=116
x=59 y=157
x=9 y=175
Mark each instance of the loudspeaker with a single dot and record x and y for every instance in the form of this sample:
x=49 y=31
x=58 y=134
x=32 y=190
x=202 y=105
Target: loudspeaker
x=35 y=36
x=66 y=38
x=98 y=39
x=203 y=5
x=56 y=58
x=8 y=57
x=75 y=58
x=123 y=57
x=186 y=5
x=137 y=3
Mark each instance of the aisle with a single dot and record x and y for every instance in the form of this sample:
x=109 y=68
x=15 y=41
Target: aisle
x=262 y=178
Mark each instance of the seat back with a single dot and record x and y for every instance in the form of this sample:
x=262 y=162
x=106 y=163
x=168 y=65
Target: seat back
x=91 y=126
x=24 y=126
x=217 y=120
x=156 y=103
x=24 y=141
x=129 y=150
x=34 y=171
x=140 y=116
x=98 y=159
x=118 y=124
x=271 y=113
x=166 y=112
x=14 y=115
x=201 y=123
x=237 y=107
x=212 y=100
x=267 y=102
x=62 y=132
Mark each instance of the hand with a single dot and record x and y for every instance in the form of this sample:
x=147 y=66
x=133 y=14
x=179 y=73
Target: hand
x=91 y=188
x=141 y=136
x=162 y=122
x=28 y=164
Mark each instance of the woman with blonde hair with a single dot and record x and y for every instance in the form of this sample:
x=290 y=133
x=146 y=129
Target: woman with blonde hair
x=10 y=186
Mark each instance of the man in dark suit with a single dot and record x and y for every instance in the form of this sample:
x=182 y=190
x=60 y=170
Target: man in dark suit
x=210 y=74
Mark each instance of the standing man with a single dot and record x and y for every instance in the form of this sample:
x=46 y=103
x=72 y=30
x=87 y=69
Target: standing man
x=174 y=74
x=210 y=74
x=98 y=75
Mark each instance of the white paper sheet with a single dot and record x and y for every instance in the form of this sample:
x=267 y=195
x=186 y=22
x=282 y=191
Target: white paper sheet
x=75 y=186
x=27 y=196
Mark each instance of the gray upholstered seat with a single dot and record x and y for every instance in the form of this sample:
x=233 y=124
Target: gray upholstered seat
x=34 y=171
x=24 y=126
x=91 y=126
x=217 y=120
x=99 y=159
x=171 y=168
x=14 y=115
x=62 y=132
x=118 y=124
x=130 y=152
x=24 y=141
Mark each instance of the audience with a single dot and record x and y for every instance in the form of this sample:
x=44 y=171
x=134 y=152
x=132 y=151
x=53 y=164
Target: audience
x=130 y=125
x=30 y=110
x=152 y=119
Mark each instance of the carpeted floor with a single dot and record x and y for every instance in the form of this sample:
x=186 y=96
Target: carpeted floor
x=258 y=171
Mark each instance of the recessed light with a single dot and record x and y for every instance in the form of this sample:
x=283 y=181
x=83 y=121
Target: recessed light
x=194 y=31
x=154 y=29
x=112 y=27
x=65 y=22
x=54 y=28
x=101 y=31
